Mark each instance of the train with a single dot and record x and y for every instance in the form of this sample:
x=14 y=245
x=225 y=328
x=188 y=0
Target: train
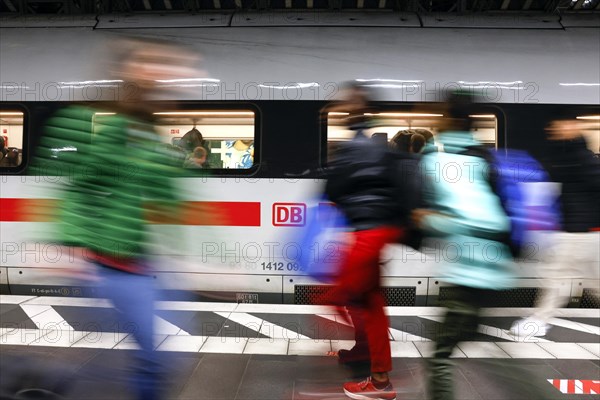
x=264 y=107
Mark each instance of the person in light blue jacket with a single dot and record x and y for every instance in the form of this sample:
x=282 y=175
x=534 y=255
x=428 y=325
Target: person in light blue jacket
x=467 y=213
x=462 y=210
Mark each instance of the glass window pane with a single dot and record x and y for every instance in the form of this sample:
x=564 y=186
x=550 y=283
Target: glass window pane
x=213 y=139
x=397 y=128
x=11 y=131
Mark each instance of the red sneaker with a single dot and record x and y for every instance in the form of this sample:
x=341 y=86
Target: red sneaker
x=365 y=390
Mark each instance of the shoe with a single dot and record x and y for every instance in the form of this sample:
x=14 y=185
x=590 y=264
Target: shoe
x=365 y=390
x=529 y=327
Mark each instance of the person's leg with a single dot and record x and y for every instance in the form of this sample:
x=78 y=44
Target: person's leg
x=460 y=322
x=554 y=253
x=555 y=271
x=377 y=324
x=360 y=334
x=357 y=358
x=348 y=293
x=360 y=351
x=589 y=247
x=133 y=297
x=377 y=386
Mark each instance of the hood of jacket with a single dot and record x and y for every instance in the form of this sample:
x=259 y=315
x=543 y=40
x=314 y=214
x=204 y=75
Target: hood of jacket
x=456 y=142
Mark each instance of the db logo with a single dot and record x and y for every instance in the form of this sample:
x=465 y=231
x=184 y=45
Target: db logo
x=289 y=214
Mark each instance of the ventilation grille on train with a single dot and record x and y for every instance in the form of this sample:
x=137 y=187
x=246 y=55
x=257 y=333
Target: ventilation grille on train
x=520 y=297
x=394 y=296
x=589 y=299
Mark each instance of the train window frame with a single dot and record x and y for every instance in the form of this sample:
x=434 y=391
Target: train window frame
x=411 y=108
x=15 y=107
x=229 y=106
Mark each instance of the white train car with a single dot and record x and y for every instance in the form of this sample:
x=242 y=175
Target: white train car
x=263 y=108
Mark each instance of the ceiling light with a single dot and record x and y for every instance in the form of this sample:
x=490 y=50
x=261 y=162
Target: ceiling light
x=208 y=113
x=392 y=114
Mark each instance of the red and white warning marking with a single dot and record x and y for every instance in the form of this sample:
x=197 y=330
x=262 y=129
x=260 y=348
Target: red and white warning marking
x=576 y=386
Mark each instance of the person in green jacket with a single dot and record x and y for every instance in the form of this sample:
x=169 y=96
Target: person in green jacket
x=117 y=177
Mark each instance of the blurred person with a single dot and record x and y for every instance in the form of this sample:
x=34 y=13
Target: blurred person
x=575 y=252
x=430 y=143
x=417 y=143
x=9 y=157
x=361 y=182
x=401 y=140
x=197 y=158
x=121 y=179
x=412 y=140
x=191 y=140
x=3 y=153
x=467 y=215
x=426 y=134
x=408 y=176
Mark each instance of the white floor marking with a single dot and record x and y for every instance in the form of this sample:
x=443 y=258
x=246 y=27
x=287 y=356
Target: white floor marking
x=499 y=333
x=261 y=326
x=46 y=317
x=162 y=326
x=53 y=330
x=576 y=326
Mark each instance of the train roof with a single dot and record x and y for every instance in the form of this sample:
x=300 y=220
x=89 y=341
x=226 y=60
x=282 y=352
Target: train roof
x=269 y=60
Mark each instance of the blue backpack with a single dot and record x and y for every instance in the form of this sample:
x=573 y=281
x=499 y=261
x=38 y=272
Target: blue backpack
x=527 y=196
x=321 y=242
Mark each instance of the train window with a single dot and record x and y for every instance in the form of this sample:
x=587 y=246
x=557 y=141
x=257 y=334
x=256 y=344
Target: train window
x=590 y=128
x=11 y=143
x=213 y=139
x=398 y=128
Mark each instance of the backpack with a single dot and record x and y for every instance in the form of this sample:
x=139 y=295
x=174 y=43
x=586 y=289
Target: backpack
x=528 y=198
x=404 y=172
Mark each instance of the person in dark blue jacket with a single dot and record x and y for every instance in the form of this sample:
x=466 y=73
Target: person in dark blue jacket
x=371 y=187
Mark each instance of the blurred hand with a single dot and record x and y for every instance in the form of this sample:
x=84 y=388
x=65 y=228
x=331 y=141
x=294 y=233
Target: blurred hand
x=418 y=215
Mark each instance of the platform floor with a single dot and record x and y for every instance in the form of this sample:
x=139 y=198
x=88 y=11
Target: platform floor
x=264 y=351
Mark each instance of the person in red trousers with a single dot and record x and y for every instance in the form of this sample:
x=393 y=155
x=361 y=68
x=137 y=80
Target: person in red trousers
x=363 y=180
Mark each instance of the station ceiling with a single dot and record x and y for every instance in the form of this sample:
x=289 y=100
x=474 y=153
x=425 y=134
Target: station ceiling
x=101 y=7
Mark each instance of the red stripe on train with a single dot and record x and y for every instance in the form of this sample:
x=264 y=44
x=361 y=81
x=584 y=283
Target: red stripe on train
x=10 y=210
x=205 y=213
x=222 y=213
x=27 y=210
